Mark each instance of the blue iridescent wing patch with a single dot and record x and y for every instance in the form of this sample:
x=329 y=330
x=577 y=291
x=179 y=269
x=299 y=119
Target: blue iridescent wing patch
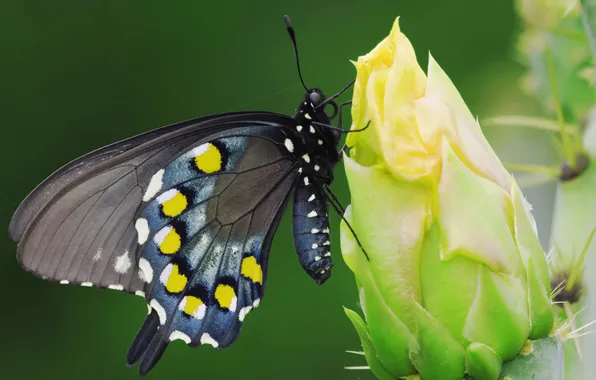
x=204 y=232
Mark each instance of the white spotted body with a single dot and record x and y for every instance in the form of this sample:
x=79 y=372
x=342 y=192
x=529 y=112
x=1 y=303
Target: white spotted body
x=316 y=148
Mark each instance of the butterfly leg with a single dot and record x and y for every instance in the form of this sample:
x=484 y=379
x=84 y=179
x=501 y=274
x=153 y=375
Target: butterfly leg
x=339 y=121
x=341 y=212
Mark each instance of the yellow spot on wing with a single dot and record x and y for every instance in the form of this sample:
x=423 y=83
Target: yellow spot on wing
x=170 y=243
x=192 y=305
x=209 y=158
x=175 y=205
x=252 y=270
x=224 y=294
x=176 y=281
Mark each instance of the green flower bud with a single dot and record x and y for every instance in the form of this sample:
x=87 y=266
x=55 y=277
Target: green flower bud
x=457 y=281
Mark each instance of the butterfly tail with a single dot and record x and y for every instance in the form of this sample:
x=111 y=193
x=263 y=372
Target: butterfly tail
x=143 y=339
x=154 y=351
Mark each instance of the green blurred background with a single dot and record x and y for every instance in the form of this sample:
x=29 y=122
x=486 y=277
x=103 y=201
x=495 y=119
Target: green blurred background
x=76 y=75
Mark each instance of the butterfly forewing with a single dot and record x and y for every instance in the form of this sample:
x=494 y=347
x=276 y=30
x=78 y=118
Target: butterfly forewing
x=78 y=226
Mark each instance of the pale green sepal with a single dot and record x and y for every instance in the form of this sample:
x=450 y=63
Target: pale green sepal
x=389 y=217
x=526 y=235
x=475 y=216
x=392 y=339
x=482 y=362
x=375 y=365
x=499 y=314
x=541 y=311
x=534 y=260
x=543 y=361
x=448 y=286
x=437 y=346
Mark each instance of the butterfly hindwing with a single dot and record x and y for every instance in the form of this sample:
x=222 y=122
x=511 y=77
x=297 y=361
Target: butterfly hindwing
x=204 y=259
x=78 y=226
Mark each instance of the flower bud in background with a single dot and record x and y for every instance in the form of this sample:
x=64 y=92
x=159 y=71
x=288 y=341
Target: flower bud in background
x=456 y=281
x=545 y=14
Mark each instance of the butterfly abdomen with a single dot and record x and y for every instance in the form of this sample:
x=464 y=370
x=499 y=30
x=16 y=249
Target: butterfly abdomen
x=311 y=231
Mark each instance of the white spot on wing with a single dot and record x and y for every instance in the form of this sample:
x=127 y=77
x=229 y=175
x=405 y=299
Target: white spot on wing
x=179 y=335
x=161 y=234
x=326 y=230
x=165 y=274
x=116 y=287
x=97 y=255
x=122 y=263
x=311 y=198
x=298 y=128
x=311 y=129
x=233 y=304
x=243 y=312
x=317 y=258
x=87 y=284
x=306 y=158
x=320 y=142
x=161 y=312
x=201 y=149
x=314 y=246
x=306 y=182
x=140 y=293
x=327 y=254
x=307 y=116
x=314 y=231
x=166 y=196
x=207 y=339
x=289 y=145
x=142 y=227
x=317 y=167
x=199 y=312
x=154 y=185
x=145 y=270
x=312 y=214
x=256 y=303
x=327 y=243
x=64 y=282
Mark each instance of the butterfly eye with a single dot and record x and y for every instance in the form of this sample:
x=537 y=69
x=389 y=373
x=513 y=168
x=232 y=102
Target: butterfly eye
x=315 y=98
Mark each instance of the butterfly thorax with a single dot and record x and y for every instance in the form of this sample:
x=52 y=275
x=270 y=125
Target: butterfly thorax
x=317 y=144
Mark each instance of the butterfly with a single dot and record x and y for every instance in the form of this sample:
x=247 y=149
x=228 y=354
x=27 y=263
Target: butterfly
x=184 y=216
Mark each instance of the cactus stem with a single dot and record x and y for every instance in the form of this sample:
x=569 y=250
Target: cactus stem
x=532 y=122
x=533 y=180
x=587 y=10
x=567 y=148
x=578 y=268
x=569 y=34
x=552 y=171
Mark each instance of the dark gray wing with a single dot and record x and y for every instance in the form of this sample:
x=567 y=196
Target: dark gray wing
x=78 y=226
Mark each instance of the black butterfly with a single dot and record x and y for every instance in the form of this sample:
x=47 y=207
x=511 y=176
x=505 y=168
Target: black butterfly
x=184 y=216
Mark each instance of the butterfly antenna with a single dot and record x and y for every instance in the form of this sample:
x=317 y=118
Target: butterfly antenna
x=341 y=211
x=293 y=38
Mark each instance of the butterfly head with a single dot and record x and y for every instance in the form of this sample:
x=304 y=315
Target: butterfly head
x=315 y=106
